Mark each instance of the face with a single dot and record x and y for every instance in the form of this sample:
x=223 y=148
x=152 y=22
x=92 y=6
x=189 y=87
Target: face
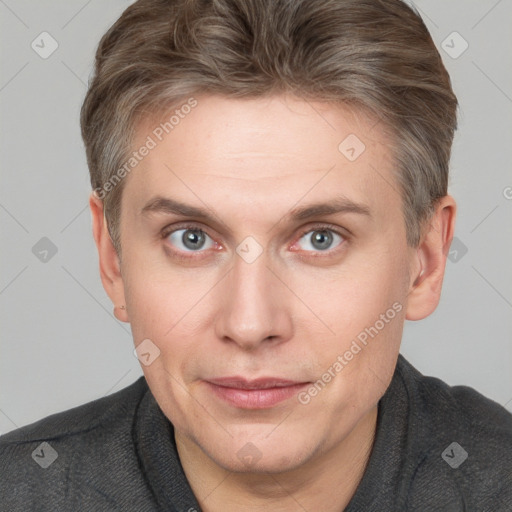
x=269 y=267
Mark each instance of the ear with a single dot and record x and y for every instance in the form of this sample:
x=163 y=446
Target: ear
x=430 y=261
x=110 y=267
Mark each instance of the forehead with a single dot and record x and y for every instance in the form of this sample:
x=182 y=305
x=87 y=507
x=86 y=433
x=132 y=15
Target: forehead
x=271 y=150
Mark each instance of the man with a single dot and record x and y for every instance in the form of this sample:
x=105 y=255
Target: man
x=269 y=206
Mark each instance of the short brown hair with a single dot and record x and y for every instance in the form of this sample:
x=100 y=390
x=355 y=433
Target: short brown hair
x=376 y=55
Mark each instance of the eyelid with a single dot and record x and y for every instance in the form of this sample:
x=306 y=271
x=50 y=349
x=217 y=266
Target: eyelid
x=322 y=226
x=344 y=233
x=171 y=228
x=188 y=255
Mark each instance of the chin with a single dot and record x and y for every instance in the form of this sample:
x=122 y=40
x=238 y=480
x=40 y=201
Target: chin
x=262 y=453
x=274 y=463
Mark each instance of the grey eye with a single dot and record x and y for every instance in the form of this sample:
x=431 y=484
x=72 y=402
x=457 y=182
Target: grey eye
x=190 y=239
x=319 y=240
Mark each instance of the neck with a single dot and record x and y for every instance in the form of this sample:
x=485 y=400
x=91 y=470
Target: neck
x=327 y=481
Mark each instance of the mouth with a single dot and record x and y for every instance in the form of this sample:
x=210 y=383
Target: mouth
x=262 y=393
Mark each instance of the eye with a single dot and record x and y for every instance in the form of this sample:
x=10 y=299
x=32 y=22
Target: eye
x=319 y=240
x=190 y=240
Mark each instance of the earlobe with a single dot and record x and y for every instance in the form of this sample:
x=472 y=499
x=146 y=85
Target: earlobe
x=430 y=261
x=110 y=270
x=120 y=313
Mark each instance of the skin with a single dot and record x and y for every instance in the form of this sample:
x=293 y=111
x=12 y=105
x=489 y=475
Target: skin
x=290 y=313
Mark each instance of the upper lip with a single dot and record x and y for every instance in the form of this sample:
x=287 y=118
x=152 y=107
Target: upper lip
x=261 y=383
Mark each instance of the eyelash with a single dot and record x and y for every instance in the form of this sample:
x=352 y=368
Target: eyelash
x=198 y=254
x=323 y=227
x=189 y=256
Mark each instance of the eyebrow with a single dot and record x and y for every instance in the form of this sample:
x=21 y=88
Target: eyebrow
x=170 y=206
x=338 y=205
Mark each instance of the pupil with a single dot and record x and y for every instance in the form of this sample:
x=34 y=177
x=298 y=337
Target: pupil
x=193 y=239
x=322 y=240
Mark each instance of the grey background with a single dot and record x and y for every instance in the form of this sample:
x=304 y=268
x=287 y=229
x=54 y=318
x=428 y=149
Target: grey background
x=60 y=344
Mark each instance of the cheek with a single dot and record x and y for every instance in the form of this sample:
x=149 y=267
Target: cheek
x=165 y=307
x=173 y=309
x=353 y=297
x=160 y=298
x=364 y=308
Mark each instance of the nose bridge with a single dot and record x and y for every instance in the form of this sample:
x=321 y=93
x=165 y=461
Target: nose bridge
x=251 y=310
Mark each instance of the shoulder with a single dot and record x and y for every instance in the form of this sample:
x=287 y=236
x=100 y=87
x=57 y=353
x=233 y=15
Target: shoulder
x=76 y=421
x=73 y=456
x=465 y=442
x=457 y=409
x=456 y=406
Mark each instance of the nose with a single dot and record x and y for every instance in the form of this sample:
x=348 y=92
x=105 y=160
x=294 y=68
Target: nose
x=254 y=308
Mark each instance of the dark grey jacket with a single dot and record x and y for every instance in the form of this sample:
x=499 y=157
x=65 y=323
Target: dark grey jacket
x=437 y=448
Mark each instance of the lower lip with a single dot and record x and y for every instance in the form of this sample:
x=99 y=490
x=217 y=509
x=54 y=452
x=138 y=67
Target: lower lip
x=255 y=398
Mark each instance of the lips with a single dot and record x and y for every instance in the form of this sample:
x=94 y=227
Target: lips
x=262 y=393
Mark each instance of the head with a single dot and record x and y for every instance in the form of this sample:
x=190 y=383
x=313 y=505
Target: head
x=270 y=200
